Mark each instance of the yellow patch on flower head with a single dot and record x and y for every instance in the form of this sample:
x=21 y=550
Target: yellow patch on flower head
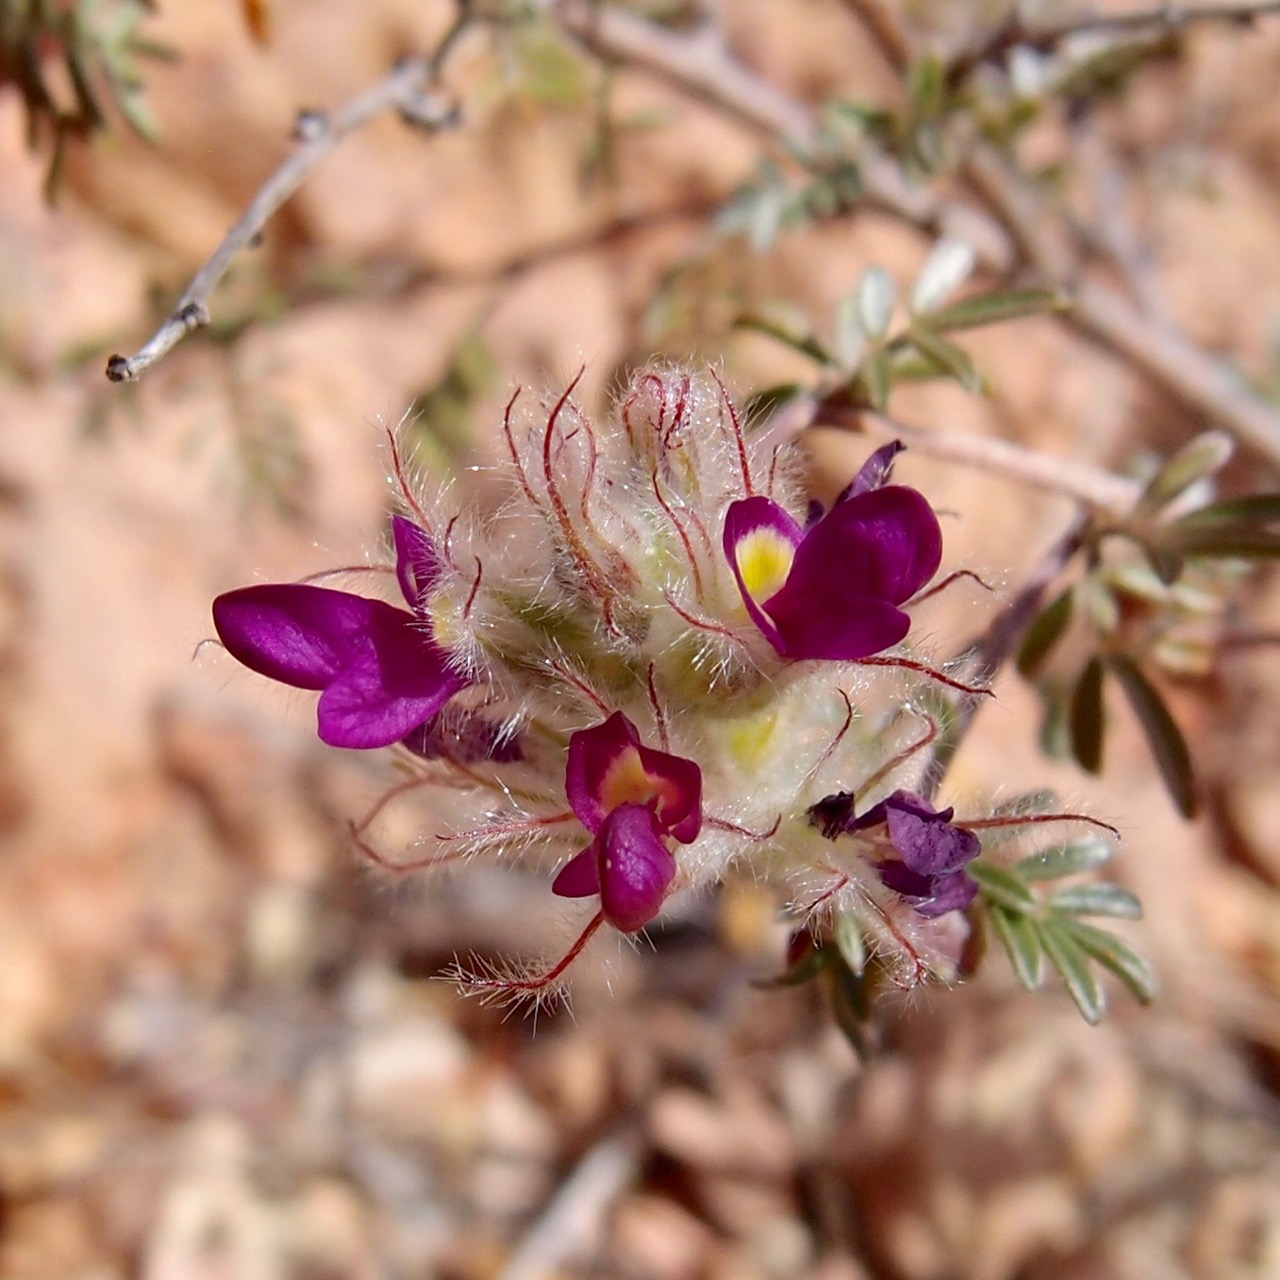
x=764 y=561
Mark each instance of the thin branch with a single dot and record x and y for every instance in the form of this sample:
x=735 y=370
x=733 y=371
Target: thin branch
x=406 y=89
x=1092 y=486
x=702 y=66
x=1043 y=37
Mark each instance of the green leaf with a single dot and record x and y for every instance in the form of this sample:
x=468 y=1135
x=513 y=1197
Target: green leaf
x=806 y=344
x=1233 y=541
x=849 y=338
x=849 y=941
x=851 y=1001
x=874 y=300
x=1087 y=719
x=875 y=377
x=1020 y=937
x=944 y=271
x=1068 y=859
x=1096 y=900
x=1045 y=632
x=1071 y=961
x=951 y=359
x=1256 y=508
x=993 y=308
x=1198 y=459
x=1116 y=956
x=1165 y=739
x=1003 y=887
x=764 y=404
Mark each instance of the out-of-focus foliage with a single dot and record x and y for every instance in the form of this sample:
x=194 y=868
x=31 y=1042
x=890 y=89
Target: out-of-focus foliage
x=75 y=62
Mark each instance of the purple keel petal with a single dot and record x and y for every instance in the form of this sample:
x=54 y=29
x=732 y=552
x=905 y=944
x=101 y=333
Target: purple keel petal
x=930 y=896
x=635 y=867
x=928 y=843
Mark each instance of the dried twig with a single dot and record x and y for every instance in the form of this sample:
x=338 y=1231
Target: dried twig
x=407 y=88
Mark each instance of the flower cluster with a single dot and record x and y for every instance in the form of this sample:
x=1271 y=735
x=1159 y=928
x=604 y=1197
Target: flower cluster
x=654 y=662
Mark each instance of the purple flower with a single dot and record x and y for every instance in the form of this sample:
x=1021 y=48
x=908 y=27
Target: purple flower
x=380 y=672
x=929 y=851
x=630 y=797
x=833 y=590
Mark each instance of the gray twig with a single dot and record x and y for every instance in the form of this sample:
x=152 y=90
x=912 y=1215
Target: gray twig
x=406 y=88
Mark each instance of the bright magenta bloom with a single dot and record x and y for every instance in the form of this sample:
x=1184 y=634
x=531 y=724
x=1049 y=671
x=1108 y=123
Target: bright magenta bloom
x=833 y=590
x=630 y=797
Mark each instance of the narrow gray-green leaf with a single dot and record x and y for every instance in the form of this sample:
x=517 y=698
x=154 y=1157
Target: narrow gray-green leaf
x=946 y=268
x=875 y=298
x=1196 y=460
x=1020 y=938
x=1228 y=541
x=1045 y=632
x=764 y=404
x=1096 y=900
x=1087 y=725
x=848 y=938
x=1168 y=746
x=1256 y=508
x=992 y=308
x=876 y=379
x=1117 y=957
x=1070 y=859
x=848 y=339
x=1003 y=887
x=1071 y=961
x=950 y=358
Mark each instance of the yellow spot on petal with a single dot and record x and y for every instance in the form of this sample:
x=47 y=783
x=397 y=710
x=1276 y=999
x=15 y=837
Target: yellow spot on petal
x=626 y=782
x=764 y=560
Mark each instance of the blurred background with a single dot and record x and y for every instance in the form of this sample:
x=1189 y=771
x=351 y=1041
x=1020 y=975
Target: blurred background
x=223 y=1048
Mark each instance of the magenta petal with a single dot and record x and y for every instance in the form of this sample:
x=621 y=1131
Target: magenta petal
x=580 y=876
x=381 y=673
x=679 y=815
x=742 y=519
x=300 y=635
x=417 y=564
x=591 y=753
x=635 y=867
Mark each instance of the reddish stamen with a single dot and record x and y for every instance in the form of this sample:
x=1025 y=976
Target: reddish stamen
x=680 y=530
x=515 y=453
x=1031 y=819
x=723 y=824
x=542 y=981
x=659 y=718
x=932 y=673
x=739 y=438
x=904 y=755
x=403 y=484
x=949 y=580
